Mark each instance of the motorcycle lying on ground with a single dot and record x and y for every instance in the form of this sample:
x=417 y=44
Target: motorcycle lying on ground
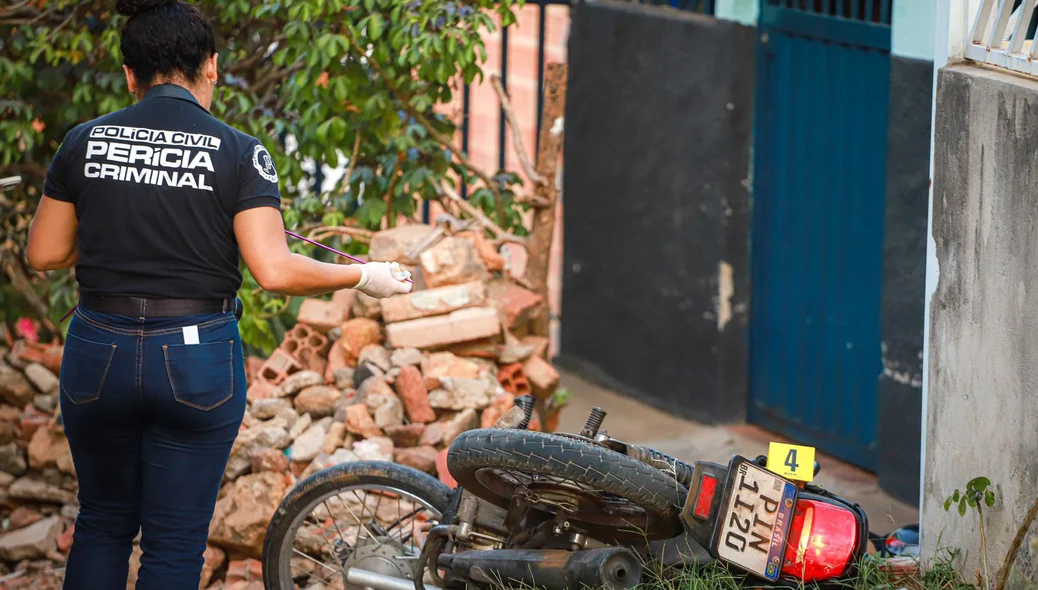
x=556 y=511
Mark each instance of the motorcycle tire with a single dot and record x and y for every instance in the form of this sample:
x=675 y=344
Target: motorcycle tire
x=567 y=458
x=325 y=483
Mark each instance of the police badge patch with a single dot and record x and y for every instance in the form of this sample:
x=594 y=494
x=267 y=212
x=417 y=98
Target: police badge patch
x=264 y=164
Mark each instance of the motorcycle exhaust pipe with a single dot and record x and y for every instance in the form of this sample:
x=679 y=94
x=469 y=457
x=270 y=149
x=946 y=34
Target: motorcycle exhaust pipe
x=358 y=578
x=610 y=568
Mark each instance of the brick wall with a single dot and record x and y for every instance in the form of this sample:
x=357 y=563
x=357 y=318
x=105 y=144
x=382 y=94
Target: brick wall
x=484 y=111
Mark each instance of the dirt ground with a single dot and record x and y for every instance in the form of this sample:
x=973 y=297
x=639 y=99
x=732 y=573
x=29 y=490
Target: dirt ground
x=638 y=423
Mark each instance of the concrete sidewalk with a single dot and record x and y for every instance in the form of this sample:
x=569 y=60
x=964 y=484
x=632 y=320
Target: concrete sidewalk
x=638 y=423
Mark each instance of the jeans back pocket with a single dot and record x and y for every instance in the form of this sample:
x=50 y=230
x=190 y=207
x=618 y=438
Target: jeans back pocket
x=84 y=367
x=201 y=375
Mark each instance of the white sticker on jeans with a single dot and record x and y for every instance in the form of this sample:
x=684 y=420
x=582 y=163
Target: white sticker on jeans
x=190 y=334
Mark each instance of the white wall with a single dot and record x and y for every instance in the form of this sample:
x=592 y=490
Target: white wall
x=740 y=11
x=913 y=23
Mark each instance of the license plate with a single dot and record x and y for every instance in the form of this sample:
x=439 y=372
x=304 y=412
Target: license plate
x=755 y=519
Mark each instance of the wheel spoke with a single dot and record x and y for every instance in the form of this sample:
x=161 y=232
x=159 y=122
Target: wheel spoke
x=348 y=534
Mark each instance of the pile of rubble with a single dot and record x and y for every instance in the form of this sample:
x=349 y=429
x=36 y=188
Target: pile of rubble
x=356 y=378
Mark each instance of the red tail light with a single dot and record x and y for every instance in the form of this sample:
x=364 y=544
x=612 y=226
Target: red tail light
x=822 y=541
x=705 y=498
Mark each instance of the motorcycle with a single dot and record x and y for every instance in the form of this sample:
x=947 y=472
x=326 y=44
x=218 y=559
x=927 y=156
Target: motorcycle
x=557 y=511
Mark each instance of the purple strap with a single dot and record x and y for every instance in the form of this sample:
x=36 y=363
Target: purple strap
x=330 y=249
x=294 y=235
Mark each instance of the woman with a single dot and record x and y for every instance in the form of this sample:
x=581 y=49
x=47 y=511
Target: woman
x=153 y=205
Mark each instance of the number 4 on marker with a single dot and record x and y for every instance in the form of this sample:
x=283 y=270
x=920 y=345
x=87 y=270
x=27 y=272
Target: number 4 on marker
x=792 y=461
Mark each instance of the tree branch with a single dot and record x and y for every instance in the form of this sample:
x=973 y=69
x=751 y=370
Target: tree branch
x=475 y=213
x=21 y=281
x=276 y=75
x=517 y=132
x=394 y=179
x=405 y=100
x=256 y=57
x=352 y=163
x=354 y=233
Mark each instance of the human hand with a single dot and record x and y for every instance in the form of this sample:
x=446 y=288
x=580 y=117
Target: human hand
x=382 y=279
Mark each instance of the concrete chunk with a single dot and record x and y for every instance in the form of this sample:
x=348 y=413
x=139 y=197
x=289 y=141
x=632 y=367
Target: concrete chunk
x=31 y=542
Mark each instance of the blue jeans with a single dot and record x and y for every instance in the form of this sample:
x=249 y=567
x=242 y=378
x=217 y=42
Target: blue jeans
x=150 y=421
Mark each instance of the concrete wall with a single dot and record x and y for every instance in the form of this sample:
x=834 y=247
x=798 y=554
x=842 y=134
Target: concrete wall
x=655 y=278
x=982 y=410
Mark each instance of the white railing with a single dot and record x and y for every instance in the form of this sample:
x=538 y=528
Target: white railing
x=998 y=36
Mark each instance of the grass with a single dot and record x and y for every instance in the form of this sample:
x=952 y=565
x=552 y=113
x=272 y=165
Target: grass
x=943 y=574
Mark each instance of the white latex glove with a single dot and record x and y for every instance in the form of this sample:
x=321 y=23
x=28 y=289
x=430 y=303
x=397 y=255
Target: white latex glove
x=382 y=279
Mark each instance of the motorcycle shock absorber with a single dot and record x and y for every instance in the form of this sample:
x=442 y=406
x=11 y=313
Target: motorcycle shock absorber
x=525 y=402
x=594 y=422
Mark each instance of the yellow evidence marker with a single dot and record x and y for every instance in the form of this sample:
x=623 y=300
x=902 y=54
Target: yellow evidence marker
x=791 y=461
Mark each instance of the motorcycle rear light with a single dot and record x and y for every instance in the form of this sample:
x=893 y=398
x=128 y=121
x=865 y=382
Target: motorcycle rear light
x=705 y=499
x=822 y=541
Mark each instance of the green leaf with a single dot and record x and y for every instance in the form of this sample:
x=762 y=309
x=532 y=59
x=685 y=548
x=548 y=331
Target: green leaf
x=375 y=26
x=956 y=496
x=947 y=504
x=67 y=76
x=962 y=507
x=979 y=484
x=989 y=498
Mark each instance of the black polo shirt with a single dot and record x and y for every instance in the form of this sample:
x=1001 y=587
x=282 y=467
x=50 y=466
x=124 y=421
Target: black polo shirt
x=156 y=187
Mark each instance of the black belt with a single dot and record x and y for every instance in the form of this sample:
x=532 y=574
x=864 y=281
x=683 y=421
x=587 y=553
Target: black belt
x=140 y=307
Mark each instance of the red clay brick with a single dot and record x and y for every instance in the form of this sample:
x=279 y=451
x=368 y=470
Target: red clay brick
x=441 y=470
x=513 y=380
x=410 y=386
x=514 y=303
x=543 y=377
x=279 y=366
x=358 y=333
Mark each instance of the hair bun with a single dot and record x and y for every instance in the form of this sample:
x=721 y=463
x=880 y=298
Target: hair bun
x=134 y=7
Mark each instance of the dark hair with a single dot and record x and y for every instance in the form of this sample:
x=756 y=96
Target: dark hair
x=164 y=37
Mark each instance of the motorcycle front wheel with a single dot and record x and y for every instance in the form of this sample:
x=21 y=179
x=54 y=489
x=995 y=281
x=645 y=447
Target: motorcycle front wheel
x=352 y=525
x=606 y=494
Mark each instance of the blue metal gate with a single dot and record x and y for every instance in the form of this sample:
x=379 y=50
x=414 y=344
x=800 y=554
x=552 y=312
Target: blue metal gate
x=819 y=190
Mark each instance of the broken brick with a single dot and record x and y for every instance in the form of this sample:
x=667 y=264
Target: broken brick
x=492 y=259
x=432 y=302
x=513 y=380
x=410 y=386
x=459 y=326
x=514 y=303
x=539 y=344
x=406 y=435
x=358 y=333
x=279 y=366
x=451 y=262
x=322 y=315
x=501 y=404
x=253 y=365
x=392 y=245
x=441 y=470
x=260 y=389
x=447 y=364
x=543 y=377
x=420 y=458
x=360 y=422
